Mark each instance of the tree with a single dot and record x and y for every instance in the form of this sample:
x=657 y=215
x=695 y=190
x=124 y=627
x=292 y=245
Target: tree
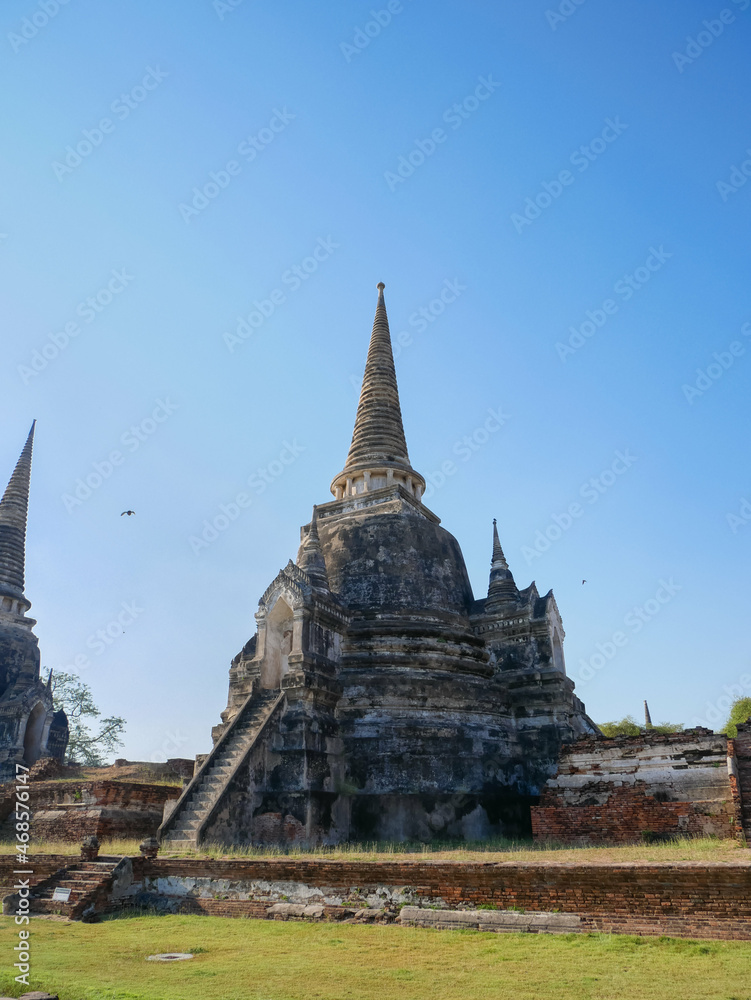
x=628 y=726
x=740 y=711
x=70 y=694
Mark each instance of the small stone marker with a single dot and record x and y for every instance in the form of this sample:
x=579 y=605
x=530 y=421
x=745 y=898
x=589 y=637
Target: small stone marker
x=60 y=895
x=36 y=995
x=171 y=956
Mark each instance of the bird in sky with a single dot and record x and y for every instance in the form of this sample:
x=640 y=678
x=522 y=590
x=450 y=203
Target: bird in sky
x=583 y=582
x=128 y=512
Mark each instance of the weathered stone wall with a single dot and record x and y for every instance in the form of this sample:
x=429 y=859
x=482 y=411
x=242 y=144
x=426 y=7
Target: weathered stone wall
x=620 y=790
x=71 y=810
x=711 y=900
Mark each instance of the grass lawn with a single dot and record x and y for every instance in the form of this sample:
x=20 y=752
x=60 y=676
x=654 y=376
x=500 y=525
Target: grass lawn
x=680 y=849
x=269 y=960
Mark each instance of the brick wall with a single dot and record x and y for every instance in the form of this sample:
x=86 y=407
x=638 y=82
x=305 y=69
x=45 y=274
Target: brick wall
x=610 y=791
x=682 y=899
x=70 y=810
x=41 y=866
x=710 y=900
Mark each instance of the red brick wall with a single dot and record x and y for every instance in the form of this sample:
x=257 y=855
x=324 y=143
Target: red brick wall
x=614 y=791
x=628 y=816
x=40 y=867
x=108 y=809
x=682 y=899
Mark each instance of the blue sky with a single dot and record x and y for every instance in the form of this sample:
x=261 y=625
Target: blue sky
x=305 y=114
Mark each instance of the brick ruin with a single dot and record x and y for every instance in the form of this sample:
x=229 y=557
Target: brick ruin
x=683 y=899
x=124 y=801
x=621 y=790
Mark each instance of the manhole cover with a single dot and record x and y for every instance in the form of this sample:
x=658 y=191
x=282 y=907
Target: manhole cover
x=171 y=956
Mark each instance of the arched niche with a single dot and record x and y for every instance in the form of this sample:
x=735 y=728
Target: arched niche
x=279 y=636
x=32 y=740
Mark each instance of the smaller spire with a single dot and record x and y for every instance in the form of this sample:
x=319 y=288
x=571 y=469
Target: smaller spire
x=647 y=716
x=499 y=560
x=501 y=587
x=311 y=558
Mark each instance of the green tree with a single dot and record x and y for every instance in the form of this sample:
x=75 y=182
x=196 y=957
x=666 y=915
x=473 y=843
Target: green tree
x=624 y=727
x=628 y=726
x=70 y=694
x=740 y=711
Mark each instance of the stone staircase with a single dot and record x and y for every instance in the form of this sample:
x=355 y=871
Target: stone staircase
x=89 y=882
x=183 y=826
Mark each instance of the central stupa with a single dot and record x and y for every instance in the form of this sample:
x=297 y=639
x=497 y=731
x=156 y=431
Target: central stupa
x=379 y=699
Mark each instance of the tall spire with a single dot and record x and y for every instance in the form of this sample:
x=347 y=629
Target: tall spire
x=378 y=453
x=13 y=510
x=501 y=587
x=647 y=716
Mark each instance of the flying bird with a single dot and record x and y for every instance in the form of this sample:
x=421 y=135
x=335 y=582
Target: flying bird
x=128 y=512
x=583 y=582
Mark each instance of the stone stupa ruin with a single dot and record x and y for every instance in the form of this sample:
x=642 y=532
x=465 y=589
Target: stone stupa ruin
x=379 y=700
x=30 y=728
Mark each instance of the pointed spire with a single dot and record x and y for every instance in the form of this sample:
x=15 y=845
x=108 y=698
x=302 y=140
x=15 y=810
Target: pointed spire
x=49 y=681
x=647 y=716
x=13 y=510
x=311 y=558
x=379 y=449
x=499 y=560
x=501 y=587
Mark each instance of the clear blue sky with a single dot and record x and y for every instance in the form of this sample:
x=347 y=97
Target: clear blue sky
x=316 y=106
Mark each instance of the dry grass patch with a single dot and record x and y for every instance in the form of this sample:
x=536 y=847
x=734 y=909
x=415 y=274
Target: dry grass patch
x=697 y=849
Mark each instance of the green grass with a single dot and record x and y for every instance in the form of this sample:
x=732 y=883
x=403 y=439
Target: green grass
x=270 y=960
x=681 y=849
